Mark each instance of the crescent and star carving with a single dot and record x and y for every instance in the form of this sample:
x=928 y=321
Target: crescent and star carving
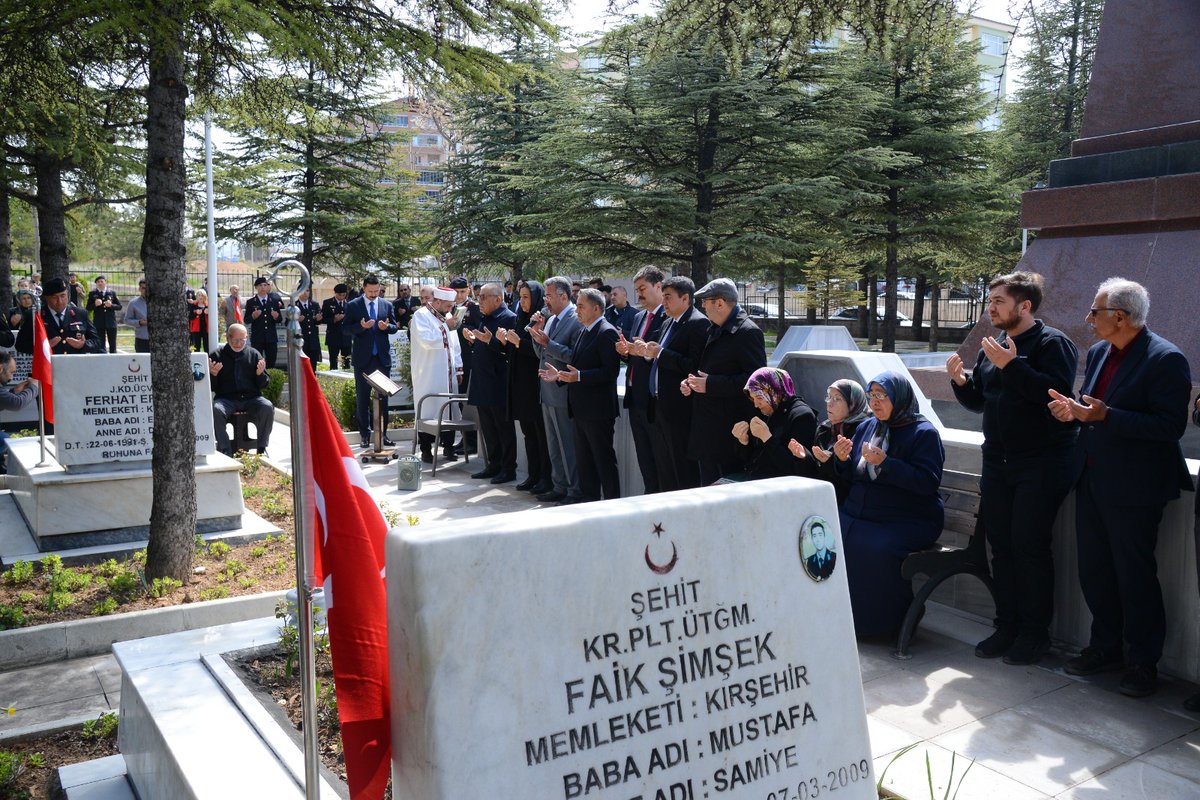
x=661 y=569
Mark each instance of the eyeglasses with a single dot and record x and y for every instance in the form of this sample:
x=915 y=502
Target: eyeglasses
x=1094 y=311
x=877 y=397
x=833 y=398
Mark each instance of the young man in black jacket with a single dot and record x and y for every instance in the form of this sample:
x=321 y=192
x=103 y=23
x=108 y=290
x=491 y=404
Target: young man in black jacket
x=1026 y=459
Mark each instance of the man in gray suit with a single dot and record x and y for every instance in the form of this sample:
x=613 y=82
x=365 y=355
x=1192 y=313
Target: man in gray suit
x=553 y=339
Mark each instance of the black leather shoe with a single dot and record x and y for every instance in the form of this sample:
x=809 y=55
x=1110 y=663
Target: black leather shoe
x=570 y=501
x=995 y=645
x=505 y=477
x=427 y=457
x=1139 y=682
x=552 y=496
x=365 y=443
x=487 y=473
x=526 y=485
x=448 y=455
x=1192 y=703
x=1027 y=649
x=542 y=488
x=1092 y=661
x=388 y=442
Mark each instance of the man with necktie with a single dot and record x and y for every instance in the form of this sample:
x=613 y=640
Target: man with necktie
x=263 y=311
x=333 y=311
x=648 y=442
x=591 y=380
x=553 y=338
x=103 y=304
x=370 y=320
x=672 y=358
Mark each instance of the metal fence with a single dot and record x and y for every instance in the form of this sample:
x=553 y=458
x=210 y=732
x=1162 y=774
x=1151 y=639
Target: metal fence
x=952 y=311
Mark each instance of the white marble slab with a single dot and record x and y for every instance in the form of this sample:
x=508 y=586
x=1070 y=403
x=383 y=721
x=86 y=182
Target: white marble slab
x=670 y=646
x=812 y=337
x=103 y=408
x=813 y=370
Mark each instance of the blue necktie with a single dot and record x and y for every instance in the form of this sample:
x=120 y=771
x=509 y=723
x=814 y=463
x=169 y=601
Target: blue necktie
x=371 y=313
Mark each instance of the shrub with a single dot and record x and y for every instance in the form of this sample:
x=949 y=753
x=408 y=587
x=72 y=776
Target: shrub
x=21 y=572
x=51 y=565
x=102 y=727
x=258 y=552
x=12 y=767
x=104 y=607
x=109 y=569
x=161 y=587
x=341 y=398
x=69 y=580
x=276 y=378
x=215 y=593
x=125 y=586
x=250 y=463
x=56 y=601
x=218 y=549
x=11 y=617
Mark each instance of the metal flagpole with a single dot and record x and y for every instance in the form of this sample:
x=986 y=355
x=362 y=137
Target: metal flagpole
x=305 y=579
x=212 y=237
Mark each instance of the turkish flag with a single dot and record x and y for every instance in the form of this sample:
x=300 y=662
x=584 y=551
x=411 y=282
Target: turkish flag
x=237 y=309
x=349 y=531
x=41 y=367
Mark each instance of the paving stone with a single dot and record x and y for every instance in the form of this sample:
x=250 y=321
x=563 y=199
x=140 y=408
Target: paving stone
x=1133 y=780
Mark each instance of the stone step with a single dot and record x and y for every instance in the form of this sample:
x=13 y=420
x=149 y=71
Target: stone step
x=100 y=779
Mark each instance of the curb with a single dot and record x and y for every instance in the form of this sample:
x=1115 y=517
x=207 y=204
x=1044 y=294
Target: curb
x=41 y=729
x=60 y=641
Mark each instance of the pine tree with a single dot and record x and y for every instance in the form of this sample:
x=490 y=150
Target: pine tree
x=312 y=164
x=927 y=106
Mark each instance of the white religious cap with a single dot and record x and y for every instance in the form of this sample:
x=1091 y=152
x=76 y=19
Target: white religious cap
x=442 y=293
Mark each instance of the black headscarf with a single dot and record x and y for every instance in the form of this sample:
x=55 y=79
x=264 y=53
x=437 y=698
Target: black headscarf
x=537 y=295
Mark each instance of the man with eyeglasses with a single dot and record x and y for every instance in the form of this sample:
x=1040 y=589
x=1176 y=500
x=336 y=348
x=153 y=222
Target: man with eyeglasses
x=1026 y=459
x=1133 y=408
x=239 y=374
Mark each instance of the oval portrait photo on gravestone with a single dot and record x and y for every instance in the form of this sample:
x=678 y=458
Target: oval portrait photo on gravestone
x=817 y=545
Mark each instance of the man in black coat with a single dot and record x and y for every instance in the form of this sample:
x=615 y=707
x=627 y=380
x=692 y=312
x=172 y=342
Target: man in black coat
x=463 y=317
x=239 y=374
x=591 y=379
x=333 y=311
x=734 y=349
x=310 y=330
x=648 y=441
x=68 y=329
x=1026 y=459
x=404 y=305
x=1128 y=465
x=488 y=389
x=674 y=356
x=263 y=312
x=103 y=304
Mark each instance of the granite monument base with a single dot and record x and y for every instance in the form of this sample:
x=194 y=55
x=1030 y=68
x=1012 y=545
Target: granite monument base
x=106 y=504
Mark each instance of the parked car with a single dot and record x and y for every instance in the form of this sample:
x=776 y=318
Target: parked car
x=768 y=311
x=850 y=314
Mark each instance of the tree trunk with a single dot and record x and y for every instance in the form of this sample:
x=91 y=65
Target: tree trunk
x=891 y=271
x=782 y=300
x=6 y=285
x=173 y=510
x=863 y=328
x=933 y=319
x=706 y=159
x=918 y=315
x=52 y=219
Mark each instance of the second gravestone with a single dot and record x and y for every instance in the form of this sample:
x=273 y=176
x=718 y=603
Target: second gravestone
x=675 y=647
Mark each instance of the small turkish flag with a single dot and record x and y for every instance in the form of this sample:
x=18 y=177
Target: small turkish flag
x=41 y=371
x=349 y=531
x=237 y=309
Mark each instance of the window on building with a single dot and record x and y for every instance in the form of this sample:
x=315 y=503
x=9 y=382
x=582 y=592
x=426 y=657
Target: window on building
x=399 y=120
x=427 y=140
x=993 y=43
x=990 y=84
x=429 y=176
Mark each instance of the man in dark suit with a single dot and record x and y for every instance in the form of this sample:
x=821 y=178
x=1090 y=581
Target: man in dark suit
x=734 y=349
x=591 y=379
x=1133 y=410
x=674 y=356
x=404 y=305
x=310 y=331
x=648 y=442
x=370 y=319
x=621 y=314
x=820 y=564
x=463 y=317
x=103 y=304
x=488 y=390
x=263 y=311
x=239 y=374
x=333 y=311
x=553 y=338
x=68 y=329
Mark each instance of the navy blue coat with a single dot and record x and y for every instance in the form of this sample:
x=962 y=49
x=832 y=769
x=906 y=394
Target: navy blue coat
x=362 y=338
x=489 y=362
x=1134 y=454
x=731 y=354
x=594 y=396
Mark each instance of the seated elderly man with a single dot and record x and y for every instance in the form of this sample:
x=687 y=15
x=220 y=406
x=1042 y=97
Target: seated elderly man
x=239 y=374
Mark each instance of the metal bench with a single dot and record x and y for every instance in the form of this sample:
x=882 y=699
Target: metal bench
x=960 y=494
x=441 y=423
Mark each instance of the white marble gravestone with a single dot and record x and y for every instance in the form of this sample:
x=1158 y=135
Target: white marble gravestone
x=812 y=337
x=672 y=647
x=813 y=370
x=103 y=408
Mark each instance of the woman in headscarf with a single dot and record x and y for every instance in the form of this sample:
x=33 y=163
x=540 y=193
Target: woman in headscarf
x=845 y=407
x=893 y=508
x=782 y=418
x=524 y=402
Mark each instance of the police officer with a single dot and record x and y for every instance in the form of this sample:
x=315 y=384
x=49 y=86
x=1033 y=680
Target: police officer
x=263 y=312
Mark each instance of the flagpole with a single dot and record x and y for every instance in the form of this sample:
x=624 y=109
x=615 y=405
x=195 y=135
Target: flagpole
x=305 y=579
x=41 y=424
x=213 y=301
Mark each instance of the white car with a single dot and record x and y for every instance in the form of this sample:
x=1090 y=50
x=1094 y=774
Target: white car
x=850 y=314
